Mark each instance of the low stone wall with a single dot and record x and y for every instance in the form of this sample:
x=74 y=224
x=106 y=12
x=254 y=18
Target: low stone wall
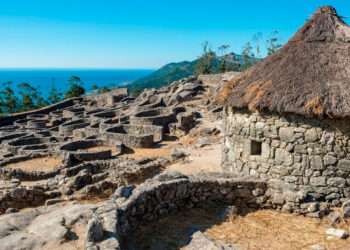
x=164 y=195
x=159 y=117
x=120 y=133
x=8 y=174
x=74 y=111
x=23 y=197
x=76 y=152
x=28 y=144
x=13 y=136
x=66 y=129
x=113 y=122
x=156 y=131
x=110 y=98
x=307 y=155
x=7 y=120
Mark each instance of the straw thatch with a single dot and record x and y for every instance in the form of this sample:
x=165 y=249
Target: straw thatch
x=309 y=76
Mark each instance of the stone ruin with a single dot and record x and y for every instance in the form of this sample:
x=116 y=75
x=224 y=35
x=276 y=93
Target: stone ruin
x=288 y=161
x=87 y=138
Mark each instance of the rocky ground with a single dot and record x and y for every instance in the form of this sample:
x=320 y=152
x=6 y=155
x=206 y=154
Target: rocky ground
x=63 y=169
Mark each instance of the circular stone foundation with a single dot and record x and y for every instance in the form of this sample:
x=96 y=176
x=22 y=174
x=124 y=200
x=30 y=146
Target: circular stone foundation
x=89 y=150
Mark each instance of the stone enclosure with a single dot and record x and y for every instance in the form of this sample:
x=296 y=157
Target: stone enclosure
x=302 y=154
x=77 y=149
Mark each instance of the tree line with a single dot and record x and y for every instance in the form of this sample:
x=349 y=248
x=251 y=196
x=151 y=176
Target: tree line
x=221 y=61
x=27 y=97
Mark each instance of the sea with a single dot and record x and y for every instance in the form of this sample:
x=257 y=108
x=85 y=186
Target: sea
x=44 y=79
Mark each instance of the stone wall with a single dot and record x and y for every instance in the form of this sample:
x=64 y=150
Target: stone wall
x=7 y=120
x=120 y=134
x=167 y=194
x=301 y=154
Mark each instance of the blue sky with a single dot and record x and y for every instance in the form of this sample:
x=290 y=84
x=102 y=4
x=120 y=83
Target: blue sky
x=139 y=34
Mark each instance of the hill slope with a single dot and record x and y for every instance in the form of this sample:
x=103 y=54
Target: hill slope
x=176 y=71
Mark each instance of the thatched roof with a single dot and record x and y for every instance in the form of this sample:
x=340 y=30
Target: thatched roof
x=309 y=76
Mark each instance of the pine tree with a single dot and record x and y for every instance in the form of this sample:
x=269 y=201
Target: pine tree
x=205 y=64
x=76 y=88
x=223 y=67
x=9 y=99
x=272 y=43
x=247 y=56
x=54 y=95
x=28 y=95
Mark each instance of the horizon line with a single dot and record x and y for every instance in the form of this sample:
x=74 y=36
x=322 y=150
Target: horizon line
x=72 y=68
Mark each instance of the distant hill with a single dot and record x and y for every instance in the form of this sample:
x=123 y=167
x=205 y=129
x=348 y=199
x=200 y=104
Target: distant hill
x=176 y=71
x=163 y=76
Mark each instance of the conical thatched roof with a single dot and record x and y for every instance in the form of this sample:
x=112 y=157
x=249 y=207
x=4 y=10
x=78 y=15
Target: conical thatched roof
x=309 y=76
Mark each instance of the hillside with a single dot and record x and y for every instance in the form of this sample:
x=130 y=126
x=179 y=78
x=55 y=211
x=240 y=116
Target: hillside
x=175 y=71
x=166 y=74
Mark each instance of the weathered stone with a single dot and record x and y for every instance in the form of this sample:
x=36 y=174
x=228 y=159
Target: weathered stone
x=94 y=231
x=311 y=135
x=286 y=134
x=344 y=165
x=338 y=233
x=200 y=241
x=336 y=182
x=318 y=181
x=178 y=154
x=318 y=247
x=329 y=160
x=346 y=209
x=334 y=218
x=316 y=162
x=283 y=157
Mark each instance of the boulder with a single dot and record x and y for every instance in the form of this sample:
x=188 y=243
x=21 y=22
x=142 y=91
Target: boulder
x=200 y=241
x=346 y=209
x=338 y=233
x=334 y=218
x=178 y=154
x=94 y=231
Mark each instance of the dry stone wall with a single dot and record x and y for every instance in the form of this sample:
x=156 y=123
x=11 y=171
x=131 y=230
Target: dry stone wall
x=302 y=154
x=167 y=194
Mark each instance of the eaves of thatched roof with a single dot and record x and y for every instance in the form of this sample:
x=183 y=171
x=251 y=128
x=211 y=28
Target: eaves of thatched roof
x=309 y=76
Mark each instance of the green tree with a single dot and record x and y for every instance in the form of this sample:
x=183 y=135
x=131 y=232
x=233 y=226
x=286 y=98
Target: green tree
x=94 y=87
x=272 y=43
x=2 y=111
x=256 y=41
x=54 y=95
x=205 y=64
x=103 y=89
x=9 y=99
x=40 y=101
x=224 y=64
x=76 y=88
x=28 y=96
x=247 y=56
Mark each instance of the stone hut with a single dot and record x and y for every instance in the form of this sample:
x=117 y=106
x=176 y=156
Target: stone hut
x=287 y=117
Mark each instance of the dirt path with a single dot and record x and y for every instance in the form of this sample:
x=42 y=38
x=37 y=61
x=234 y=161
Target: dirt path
x=206 y=159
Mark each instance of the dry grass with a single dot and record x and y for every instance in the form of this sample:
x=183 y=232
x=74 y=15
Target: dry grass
x=270 y=230
x=162 y=150
x=44 y=164
x=260 y=230
x=172 y=232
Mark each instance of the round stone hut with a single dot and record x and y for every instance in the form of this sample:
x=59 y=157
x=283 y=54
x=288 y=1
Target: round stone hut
x=287 y=117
